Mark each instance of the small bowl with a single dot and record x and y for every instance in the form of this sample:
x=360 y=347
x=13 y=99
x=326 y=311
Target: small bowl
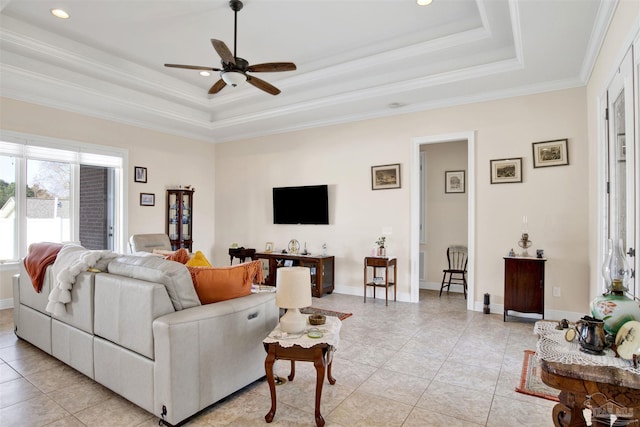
x=317 y=319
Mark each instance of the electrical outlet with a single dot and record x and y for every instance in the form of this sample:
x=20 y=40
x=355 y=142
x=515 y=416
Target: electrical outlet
x=556 y=291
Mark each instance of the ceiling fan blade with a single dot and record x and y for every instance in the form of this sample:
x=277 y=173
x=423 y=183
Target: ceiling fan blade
x=223 y=51
x=217 y=87
x=262 y=85
x=272 y=67
x=192 y=67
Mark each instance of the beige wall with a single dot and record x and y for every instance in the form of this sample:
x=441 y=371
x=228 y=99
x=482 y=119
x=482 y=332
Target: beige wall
x=554 y=199
x=623 y=29
x=560 y=202
x=446 y=213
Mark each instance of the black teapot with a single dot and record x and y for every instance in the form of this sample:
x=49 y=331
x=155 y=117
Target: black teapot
x=591 y=335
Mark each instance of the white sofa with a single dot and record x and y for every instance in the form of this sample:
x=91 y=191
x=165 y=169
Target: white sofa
x=140 y=330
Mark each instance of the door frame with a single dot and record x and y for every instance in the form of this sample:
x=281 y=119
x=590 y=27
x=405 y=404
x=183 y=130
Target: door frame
x=414 y=276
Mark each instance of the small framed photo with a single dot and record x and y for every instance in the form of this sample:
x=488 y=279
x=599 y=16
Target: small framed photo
x=384 y=177
x=140 y=174
x=550 y=153
x=268 y=247
x=288 y=263
x=504 y=171
x=454 y=181
x=147 y=199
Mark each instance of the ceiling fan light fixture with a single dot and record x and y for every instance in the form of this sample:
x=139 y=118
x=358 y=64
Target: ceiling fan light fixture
x=233 y=78
x=424 y=2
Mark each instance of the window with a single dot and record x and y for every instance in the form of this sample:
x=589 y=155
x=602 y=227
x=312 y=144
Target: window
x=7 y=207
x=73 y=192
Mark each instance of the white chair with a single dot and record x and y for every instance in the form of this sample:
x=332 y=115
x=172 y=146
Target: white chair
x=149 y=242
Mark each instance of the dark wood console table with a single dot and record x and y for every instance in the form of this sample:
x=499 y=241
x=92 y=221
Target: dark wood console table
x=322 y=269
x=580 y=381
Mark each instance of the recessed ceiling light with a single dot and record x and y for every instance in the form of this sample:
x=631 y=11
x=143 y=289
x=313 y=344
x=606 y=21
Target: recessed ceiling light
x=59 y=13
x=424 y=2
x=205 y=73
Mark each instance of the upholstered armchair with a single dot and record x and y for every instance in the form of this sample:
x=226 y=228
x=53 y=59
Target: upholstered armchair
x=149 y=242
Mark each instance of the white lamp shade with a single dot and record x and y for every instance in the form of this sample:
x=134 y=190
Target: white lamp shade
x=293 y=287
x=233 y=78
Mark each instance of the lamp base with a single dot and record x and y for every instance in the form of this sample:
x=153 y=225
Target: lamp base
x=293 y=322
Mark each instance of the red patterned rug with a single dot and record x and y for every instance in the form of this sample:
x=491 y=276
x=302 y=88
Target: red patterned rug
x=316 y=310
x=531 y=381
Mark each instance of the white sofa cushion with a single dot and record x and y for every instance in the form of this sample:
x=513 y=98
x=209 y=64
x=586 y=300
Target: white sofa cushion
x=125 y=372
x=29 y=296
x=125 y=309
x=173 y=275
x=72 y=346
x=79 y=312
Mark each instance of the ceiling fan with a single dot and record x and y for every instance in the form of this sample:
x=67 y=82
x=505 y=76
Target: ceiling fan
x=234 y=69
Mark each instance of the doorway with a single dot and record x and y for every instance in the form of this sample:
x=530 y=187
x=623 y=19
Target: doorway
x=416 y=208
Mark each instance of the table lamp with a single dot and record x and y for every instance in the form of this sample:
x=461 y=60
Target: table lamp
x=293 y=291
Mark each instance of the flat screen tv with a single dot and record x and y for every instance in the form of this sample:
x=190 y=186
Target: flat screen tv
x=301 y=205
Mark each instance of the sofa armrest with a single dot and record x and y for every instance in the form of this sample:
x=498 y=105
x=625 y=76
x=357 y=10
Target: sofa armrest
x=205 y=353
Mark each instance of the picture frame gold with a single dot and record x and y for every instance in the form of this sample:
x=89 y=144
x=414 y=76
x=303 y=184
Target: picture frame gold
x=268 y=247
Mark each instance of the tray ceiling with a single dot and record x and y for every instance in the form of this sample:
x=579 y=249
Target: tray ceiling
x=355 y=59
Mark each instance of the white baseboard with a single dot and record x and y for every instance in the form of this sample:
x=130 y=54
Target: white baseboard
x=6 y=303
x=435 y=286
x=548 y=314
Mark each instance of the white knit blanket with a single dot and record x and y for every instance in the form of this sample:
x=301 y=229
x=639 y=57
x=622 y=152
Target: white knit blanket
x=71 y=261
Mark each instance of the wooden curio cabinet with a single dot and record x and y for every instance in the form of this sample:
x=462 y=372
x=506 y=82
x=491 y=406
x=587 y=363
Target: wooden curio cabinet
x=180 y=218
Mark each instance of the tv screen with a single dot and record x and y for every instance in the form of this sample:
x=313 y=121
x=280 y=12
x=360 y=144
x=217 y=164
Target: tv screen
x=301 y=205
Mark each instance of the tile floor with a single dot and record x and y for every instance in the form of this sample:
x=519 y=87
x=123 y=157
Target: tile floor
x=427 y=364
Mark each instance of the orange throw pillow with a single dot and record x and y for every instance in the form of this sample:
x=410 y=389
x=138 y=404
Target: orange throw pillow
x=215 y=284
x=181 y=256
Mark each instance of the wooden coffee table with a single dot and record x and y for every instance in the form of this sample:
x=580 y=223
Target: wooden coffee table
x=303 y=349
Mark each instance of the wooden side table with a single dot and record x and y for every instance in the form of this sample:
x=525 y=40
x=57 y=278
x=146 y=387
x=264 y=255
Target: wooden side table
x=241 y=253
x=304 y=349
x=380 y=262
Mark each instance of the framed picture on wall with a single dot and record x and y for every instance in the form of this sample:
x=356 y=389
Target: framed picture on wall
x=504 y=171
x=384 y=177
x=454 y=182
x=147 y=199
x=140 y=174
x=550 y=153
